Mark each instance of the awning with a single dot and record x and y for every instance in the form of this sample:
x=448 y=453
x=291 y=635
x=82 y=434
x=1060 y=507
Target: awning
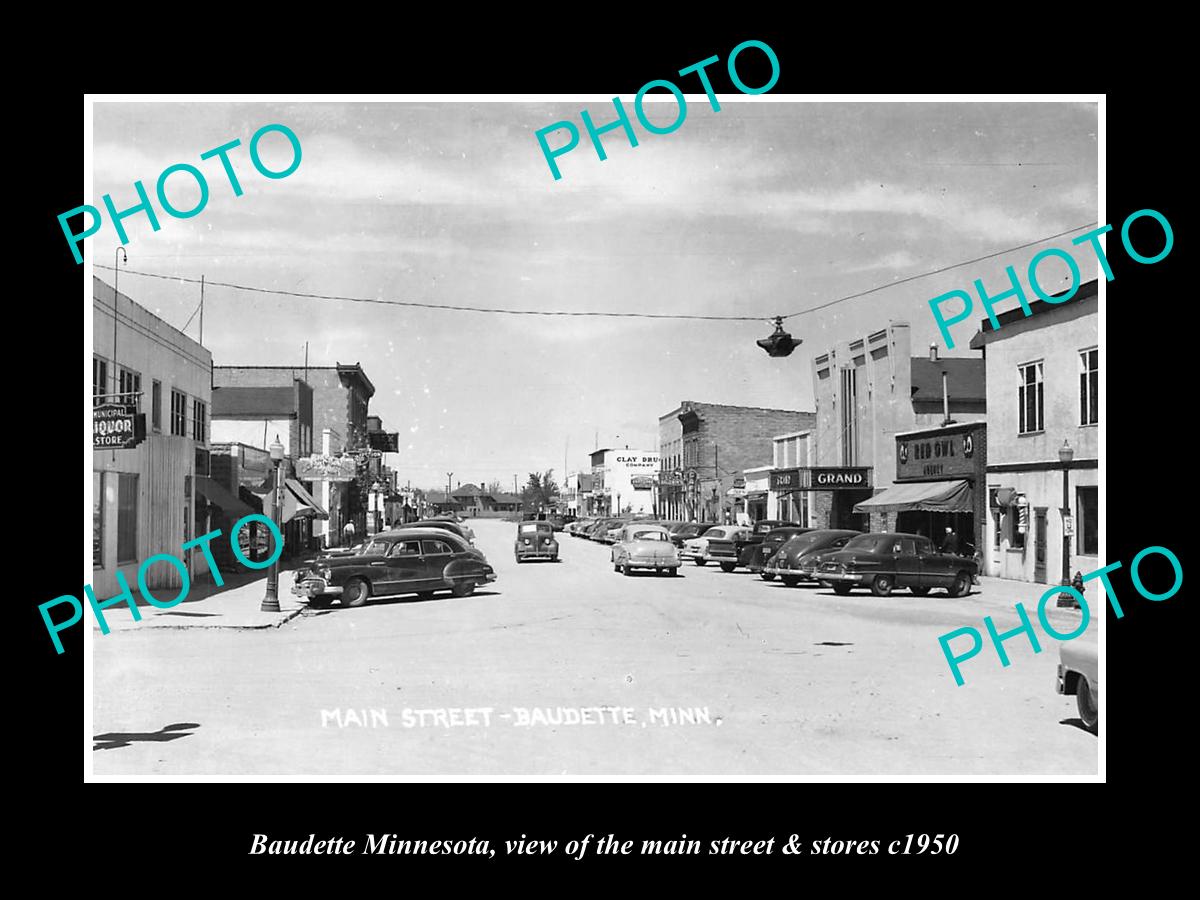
x=216 y=494
x=928 y=496
x=756 y=495
x=306 y=504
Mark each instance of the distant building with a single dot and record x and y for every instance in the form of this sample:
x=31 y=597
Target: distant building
x=152 y=498
x=624 y=481
x=1043 y=384
x=706 y=450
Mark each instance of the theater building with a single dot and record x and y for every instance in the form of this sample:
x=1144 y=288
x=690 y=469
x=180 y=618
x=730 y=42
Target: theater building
x=1043 y=380
x=869 y=390
x=145 y=497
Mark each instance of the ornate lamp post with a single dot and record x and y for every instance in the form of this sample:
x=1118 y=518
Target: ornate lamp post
x=1065 y=454
x=270 y=602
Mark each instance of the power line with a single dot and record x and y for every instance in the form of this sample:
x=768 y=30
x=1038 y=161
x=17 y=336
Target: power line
x=939 y=271
x=594 y=313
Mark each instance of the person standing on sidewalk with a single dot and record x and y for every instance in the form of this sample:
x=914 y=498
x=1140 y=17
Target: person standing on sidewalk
x=348 y=535
x=950 y=542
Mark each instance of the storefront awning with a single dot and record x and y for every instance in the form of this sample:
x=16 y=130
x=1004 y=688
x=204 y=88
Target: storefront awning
x=928 y=496
x=306 y=504
x=216 y=494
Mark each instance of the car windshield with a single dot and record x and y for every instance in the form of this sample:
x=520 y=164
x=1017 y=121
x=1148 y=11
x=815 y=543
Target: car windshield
x=375 y=548
x=715 y=533
x=867 y=542
x=648 y=536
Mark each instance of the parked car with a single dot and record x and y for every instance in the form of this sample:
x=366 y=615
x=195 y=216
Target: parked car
x=696 y=549
x=645 y=547
x=685 y=531
x=535 y=540
x=724 y=548
x=417 y=561
x=1079 y=674
x=446 y=525
x=574 y=527
x=797 y=559
x=883 y=561
x=612 y=534
x=755 y=554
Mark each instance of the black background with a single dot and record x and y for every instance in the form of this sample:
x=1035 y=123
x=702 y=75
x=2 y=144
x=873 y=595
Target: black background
x=195 y=834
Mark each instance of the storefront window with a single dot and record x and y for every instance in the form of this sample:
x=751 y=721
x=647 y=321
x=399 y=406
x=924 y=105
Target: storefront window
x=1087 y=529
x=98 y=520
x=127 y=487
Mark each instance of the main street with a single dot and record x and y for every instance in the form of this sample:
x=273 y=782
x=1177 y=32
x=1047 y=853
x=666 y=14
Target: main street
x=708 y=674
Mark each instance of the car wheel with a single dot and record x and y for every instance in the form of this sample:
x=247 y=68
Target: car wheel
x=700 y=561
x=1088 y=711
x=356 y=592
x=919 y=591
x=658 y=570
x=841 y=588
x=463 y=589
x=673 y=571
x=425 y=595
x=728 y=567
x=625 y=570
x=882 y=585
x=766 y=576
x=961 y=586
x=789 y=580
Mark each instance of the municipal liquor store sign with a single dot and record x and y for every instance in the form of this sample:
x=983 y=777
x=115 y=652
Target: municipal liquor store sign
x=116 y=426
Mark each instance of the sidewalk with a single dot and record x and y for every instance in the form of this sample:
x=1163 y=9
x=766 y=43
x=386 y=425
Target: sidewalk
x=236 y=604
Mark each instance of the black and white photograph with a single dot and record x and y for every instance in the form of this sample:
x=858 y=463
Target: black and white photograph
x=696 y=436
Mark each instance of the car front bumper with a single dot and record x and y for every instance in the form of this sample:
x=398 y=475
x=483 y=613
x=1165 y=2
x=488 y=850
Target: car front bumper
x=315 y=587
x=851 y=577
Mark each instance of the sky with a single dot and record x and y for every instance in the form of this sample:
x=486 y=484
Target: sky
x=764 y=208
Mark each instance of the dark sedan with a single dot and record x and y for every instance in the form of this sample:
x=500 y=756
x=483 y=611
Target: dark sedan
x=755 y=556
x=731 y=553
x=687 y=530
x=797 y=559
x=883 y=561
x=417 y=561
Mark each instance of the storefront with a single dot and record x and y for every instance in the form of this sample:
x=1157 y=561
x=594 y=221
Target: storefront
x=836 y=493
x=787 y=501
x=940 y=485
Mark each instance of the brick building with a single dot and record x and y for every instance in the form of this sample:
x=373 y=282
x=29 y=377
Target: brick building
x=868 y=391
x=706 y=447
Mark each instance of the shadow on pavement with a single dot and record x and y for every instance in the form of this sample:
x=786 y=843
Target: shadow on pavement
x=113 y=740
x=1077 y=723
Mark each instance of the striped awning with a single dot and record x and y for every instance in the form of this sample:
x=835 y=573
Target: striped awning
x=926 y=496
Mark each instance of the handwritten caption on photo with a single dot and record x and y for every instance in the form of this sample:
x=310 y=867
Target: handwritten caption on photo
x=607 y=845
x=519 y=717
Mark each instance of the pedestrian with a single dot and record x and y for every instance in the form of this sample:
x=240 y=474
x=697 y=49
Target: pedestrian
x=348 y=535
x=950 y=542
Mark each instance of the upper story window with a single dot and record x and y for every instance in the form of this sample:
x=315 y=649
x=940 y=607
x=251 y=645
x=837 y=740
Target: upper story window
x=1030 y=398
x=129 y=388
x=199 y=419
x=1089 y=386
x=99 y=380
x=178 y=413
x=156 y=406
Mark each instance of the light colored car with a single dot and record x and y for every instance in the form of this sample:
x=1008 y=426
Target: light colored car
x=645 y=547
x=696 y=549
x=1079 y=674
x=613 y=533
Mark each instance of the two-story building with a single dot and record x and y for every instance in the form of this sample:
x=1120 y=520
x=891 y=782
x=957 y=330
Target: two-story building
x=150 y=498
x=1043 y=381
x=624 y=481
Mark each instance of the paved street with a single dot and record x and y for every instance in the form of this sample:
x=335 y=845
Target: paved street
x=708 y=674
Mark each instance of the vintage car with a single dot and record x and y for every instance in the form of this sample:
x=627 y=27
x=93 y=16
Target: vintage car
x=685 y=531
x=445 y=524
x=535 y=540
x=754 y=555
x=724 y=548
x=1079 y=674
x=886 y=560
x=645 y=547
x=797 y=559
x=598 y=531
x=696 y=549
x=612 y=533
x=417 y=561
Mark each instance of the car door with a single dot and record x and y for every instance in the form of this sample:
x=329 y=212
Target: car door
x=935 y=567
x=435 y=555
x=404 y=567
x=908 y=566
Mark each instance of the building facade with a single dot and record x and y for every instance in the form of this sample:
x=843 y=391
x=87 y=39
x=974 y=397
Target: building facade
x=707 y=447
x=624 y=481
x=868 y=390
x=145 y=499
x=1043 y=380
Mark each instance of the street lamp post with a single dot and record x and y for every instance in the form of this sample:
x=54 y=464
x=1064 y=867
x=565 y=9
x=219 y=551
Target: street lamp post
x=1065 y=454
x=270 y=602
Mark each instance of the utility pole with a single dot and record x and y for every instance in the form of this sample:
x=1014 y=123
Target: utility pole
x=202 y=310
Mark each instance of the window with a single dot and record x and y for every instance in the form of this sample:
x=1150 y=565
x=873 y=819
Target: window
x=850 y=417
x=199 y=415
x=98 y=520
x=127 y=497
x=178 y=413
x=995 y=512
x=433 y=548
x=1029 y=397
x=129 y=388
x=156 y=406
x=406 y=548
x=1087 y=525
x=1089 y=386
x=925 y=545
x=99 y=380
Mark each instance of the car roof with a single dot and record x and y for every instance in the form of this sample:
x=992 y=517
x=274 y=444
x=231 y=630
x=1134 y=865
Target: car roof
x=647 y=526
x=413 y=532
